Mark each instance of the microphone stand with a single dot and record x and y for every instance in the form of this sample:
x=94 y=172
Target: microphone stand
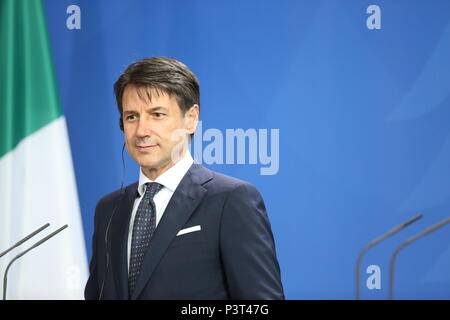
x=5 y=281
x=404 y=244
x=374 y=242
x=24 y=239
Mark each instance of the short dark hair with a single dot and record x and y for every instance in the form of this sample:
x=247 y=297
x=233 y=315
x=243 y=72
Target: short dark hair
x=162 y=74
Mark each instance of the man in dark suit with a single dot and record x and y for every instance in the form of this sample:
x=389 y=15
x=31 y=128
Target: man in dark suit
x=182 y=231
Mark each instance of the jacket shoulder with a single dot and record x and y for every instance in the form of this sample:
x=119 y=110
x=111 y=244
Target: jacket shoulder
x=222 y=183
x=106 y=202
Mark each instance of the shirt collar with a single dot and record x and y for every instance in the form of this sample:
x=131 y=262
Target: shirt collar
x=171 y=178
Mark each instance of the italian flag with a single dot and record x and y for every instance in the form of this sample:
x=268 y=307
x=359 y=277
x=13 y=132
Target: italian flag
x=37 y=181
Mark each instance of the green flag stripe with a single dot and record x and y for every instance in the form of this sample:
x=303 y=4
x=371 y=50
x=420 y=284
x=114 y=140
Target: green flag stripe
x=28 y=94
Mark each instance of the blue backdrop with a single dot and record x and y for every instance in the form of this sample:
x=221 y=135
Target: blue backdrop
x=363 y=117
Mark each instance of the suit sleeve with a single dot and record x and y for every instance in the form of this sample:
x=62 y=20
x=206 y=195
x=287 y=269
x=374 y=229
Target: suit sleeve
x=91 y=291
x=247 y=247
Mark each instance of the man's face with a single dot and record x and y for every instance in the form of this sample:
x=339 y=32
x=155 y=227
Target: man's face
x=153 y=128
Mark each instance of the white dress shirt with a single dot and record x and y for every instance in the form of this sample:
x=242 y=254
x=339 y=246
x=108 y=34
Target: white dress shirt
x=170 y=180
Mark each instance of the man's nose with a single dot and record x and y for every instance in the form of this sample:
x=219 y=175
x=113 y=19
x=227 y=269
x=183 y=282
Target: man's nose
x=144 y=127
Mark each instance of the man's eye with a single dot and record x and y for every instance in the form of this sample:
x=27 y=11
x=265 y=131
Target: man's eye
x=131 y=117
x=159 y=114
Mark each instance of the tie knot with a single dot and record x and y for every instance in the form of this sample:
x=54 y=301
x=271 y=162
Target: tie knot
x=152 y=188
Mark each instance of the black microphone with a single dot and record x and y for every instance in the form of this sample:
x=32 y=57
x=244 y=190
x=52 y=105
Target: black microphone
x=109 y=224
x=25 y=239
x=23 y=253
x=374 y=242
x=404 y=244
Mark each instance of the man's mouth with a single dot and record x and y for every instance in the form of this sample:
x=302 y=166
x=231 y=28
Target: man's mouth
x=148 y=147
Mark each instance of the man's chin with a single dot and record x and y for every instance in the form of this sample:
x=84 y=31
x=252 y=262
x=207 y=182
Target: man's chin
x=153 y=164
x=149 y=165
x=146 y=161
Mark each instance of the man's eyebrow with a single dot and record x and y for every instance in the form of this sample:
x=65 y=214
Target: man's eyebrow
x=157 y=108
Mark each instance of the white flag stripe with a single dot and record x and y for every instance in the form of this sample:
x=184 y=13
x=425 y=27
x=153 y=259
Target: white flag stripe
x=37 y=186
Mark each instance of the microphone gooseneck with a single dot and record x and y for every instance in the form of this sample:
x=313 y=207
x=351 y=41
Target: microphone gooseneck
x=373 y=243
x=25 y=239
x=404 y=244
x=5 y=278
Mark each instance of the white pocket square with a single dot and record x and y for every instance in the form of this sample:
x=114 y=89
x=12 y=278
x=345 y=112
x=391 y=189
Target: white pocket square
x=188 y=230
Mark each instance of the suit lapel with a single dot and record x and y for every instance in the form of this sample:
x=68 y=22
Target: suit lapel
x=185 y=199
x=119 y=239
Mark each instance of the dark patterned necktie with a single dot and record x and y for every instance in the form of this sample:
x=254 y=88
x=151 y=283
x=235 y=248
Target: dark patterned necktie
x=143 y=228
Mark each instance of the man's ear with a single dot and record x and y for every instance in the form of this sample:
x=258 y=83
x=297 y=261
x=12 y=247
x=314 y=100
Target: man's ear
x=191 y=119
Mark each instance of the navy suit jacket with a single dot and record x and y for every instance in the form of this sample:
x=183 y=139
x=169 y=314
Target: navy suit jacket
x=231 y=257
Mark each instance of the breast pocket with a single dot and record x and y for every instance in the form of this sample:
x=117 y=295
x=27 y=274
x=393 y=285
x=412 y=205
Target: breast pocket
x=189 y=236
